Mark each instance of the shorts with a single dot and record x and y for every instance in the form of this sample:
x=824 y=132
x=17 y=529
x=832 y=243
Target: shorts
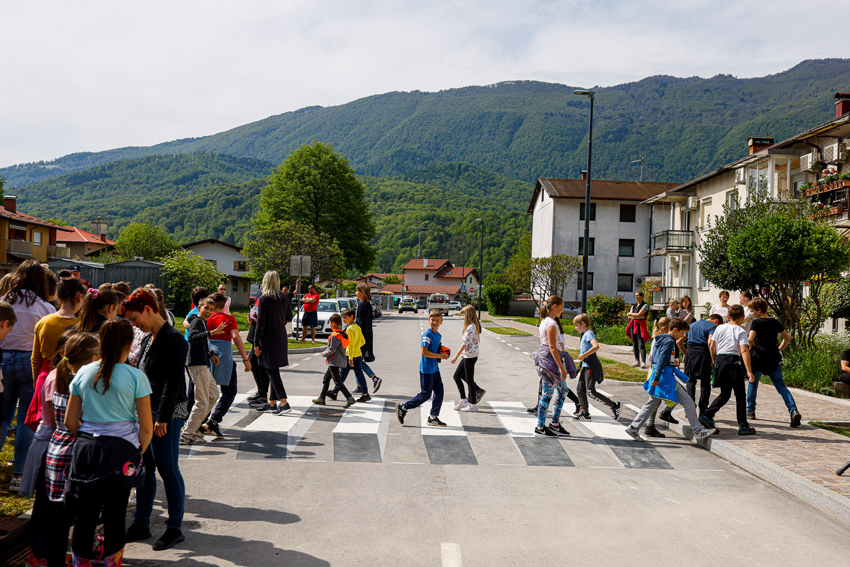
x=310 y=319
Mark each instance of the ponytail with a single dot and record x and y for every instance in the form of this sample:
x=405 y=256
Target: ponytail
x=93 y=302
x=661 y=323
x=115 y=336
x=551 y=301
x=80 y=348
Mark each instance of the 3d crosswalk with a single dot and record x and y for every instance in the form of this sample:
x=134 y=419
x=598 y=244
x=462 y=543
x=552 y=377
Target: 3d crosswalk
x=362 y=434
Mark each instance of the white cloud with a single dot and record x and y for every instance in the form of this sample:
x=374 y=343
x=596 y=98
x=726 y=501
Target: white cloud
x=88 y=76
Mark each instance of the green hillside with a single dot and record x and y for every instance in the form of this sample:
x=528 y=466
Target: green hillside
x=528 y=129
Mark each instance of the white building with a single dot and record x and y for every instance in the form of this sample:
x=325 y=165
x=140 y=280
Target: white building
x=784 y=168
x=620 y=229
x=228 y=258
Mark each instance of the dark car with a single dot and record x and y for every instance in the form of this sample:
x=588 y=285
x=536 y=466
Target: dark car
x=421 y=303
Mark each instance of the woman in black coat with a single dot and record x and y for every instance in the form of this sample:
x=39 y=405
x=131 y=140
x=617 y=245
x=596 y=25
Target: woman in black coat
x=271 y=342
x=364 y=319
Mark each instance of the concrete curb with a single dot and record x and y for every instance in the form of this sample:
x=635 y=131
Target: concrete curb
x=822 y=498
x=306 y=350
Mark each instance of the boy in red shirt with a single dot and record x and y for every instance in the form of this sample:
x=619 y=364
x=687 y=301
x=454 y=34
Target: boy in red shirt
x=225 y=372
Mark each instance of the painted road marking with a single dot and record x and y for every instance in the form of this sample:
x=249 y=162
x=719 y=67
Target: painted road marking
x=276 y=436
x=357 y=435
x=450 y=555
x=631 y=407
x=632 y=454
x=446 y=445
x=237 y=411
x=537 y=451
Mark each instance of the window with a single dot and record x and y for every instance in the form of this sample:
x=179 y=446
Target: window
x=36 y=238
x=240 y=266
x=426 y=277
x=591 y=246
x=703 y=282
x=628 y=213
x=706 y=213
x=592 y=211
x=589 y=281
x=796 y=188
x=732 y=200
x=213 y=262
x=17 y=232
x=624 y=282
x=686 y=220
x=627 y=247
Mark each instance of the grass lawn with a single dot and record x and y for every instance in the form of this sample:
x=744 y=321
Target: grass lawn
x=566 y=325
x=509 y=331
x=840 y=429
x=10 y=504
x=240 y=316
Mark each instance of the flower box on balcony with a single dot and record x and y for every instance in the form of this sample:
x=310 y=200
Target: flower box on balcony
x=836 y=210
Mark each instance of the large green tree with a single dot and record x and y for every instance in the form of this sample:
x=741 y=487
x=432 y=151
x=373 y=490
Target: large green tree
x=184 y=270
x=144 y=240
x=316 y=186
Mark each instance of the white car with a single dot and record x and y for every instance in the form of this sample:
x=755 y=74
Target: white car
x=327 y=307
x=455 y=305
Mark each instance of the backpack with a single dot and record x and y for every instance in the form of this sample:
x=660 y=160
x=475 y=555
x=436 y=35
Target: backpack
x=342 y=336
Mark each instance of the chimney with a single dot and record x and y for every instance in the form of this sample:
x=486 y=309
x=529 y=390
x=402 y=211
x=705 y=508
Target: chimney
x=842 y=106
x=758 y=144
x=98 y=227
x=584 y=175
x=425 y=263
x=10 y=202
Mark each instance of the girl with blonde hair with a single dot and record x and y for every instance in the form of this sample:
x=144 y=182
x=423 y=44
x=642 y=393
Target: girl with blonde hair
x=466 y=369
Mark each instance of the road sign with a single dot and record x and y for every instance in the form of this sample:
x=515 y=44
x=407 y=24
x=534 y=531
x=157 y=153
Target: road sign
x=462 y=288
x=471 y=289
x=299 y=265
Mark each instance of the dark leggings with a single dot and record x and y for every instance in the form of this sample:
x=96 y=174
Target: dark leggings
x=332 y=373
x=570 y=395
x=108 y=505
x=261 y=378
x=51 y=523
x=587 y=386
x=845 y=377
x=639 y=347
x=277 y=391
x=466 y=371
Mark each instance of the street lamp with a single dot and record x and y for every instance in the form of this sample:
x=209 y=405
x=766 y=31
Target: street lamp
x=591 y=95
x=419 y=248
x=480 y=268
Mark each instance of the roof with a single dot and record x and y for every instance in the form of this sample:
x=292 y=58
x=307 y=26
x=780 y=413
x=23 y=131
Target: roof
x=455 y=272
x=29 y=219
x=80 y=235
x=381 y=276
x=392 y=288
x=418 y=264
x=213 y=241
x=600 y=189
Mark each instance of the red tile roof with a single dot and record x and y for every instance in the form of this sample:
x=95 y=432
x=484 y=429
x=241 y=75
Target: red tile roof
x=80 y=235
x=418 y=264
x=382 y=276
x=25 y=218
x=392 y=288
x=454 y=272
x=600 y=189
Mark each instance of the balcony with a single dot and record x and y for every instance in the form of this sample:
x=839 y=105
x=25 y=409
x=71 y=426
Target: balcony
x=666 y=293
x=19 y=248
x=672 y=241
x=58 y=252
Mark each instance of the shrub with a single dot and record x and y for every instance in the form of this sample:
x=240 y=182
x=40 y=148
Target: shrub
x=815 y=369
x=498 y=298
x=605 y=311
x=185 y=270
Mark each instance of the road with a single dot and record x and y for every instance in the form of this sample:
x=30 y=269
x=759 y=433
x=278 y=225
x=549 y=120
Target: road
x=327 y=487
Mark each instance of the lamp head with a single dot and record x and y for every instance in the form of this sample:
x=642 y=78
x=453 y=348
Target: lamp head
x=584 y=92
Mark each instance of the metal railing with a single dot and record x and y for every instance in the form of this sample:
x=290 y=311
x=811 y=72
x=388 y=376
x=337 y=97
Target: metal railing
x=670 y=292
x=673 y=240
x=58 y=252
x=19 y=247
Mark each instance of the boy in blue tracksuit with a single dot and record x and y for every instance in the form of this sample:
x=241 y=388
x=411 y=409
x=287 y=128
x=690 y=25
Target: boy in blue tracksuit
x=662 y=384
x=429 y=373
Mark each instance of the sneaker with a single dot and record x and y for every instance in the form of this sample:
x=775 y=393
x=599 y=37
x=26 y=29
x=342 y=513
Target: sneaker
x=434 y=421
x=650 y=431
x=169 y=539
x=187 y=440
x=15 y=485
x=461 y=404
x=254 y=398
x=319 y=402
x=636 y=364
x=364 y=398
x=616 y=409
x=469 y=407
x=267 y=408
x=558 y=430
x=577 y=411
x=213 y=427
x=532 y=411
x=283 y=409
x=643 y=365
x=707 y=422
x=582 y=417
x=333 y=395
x=203 y=429
x=705 y=434
x=376 y=384
x=479 y=394
x=349 y=403
x=746 y=431
x=634 y=434
x=796 y=418
x=131 y=502
x=668 y=417
x=136 y=533
x=751 y=415
x=544 y=432
x=259 y=402
x=400 y=412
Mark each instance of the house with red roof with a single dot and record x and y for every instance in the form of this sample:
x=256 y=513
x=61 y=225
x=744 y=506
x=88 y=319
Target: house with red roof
x=25 y=237
x=81 y=242
x=376 y=280
x=424 y=276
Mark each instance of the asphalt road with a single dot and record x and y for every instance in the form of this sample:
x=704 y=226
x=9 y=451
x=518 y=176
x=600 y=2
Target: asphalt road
x=327 y=487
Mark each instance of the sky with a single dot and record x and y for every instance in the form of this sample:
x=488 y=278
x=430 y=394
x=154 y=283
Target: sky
x=90 y=76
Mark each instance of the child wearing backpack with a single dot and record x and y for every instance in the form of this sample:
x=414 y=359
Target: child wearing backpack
x=336 y=359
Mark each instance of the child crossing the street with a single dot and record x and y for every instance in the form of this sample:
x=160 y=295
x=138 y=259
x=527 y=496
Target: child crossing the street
x=198 y=366
x=336 y=359
x=355 y=357
x=429 y=373
x=591 y=371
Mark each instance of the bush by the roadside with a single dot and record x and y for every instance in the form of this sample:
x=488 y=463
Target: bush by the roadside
x=498 y=298
x=605 y=311
x=815 y=369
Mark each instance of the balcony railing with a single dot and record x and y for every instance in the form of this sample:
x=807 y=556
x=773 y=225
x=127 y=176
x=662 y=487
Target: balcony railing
x=673 y=240
x=19 y=247
x=669 y=292
x=59 y=252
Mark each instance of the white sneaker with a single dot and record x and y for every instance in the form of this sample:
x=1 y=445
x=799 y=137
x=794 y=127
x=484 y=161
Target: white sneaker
x=636 y=364
x=469 y=407
x=461 y=404
x=705 y=434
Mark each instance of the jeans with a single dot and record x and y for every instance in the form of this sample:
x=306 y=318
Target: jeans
x=358 y=372
x=366 y=370
x=430 y=383
x=18 y=393
x=228 y=394
x=778 y=383
x=162 y=455
x=543 y=406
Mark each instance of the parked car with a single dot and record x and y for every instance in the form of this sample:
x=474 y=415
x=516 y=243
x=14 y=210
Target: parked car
x=327 y=307
x=377 y=311
x=407 y=304
x=421 y=303
x=455 y=305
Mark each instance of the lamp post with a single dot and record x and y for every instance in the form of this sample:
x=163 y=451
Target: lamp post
x=419 y=247
x=591 y=95
x=480 y=268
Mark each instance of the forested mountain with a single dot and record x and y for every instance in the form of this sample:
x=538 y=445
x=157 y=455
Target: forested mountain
x=528 y=129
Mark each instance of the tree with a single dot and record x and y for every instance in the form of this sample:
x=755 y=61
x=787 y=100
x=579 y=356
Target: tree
x=551 y=275
x=783 y=251
x=184 y=270
x=315 y=185
x=146 y=240
x=2 y=183
x=394 y=279
x=57 y=221
x=270 y=244
x=498 y=298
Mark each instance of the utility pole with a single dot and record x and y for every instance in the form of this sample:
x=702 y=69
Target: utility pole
x=591 y=95
x=481 y=269
x=641 y=167
x=419 y=247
